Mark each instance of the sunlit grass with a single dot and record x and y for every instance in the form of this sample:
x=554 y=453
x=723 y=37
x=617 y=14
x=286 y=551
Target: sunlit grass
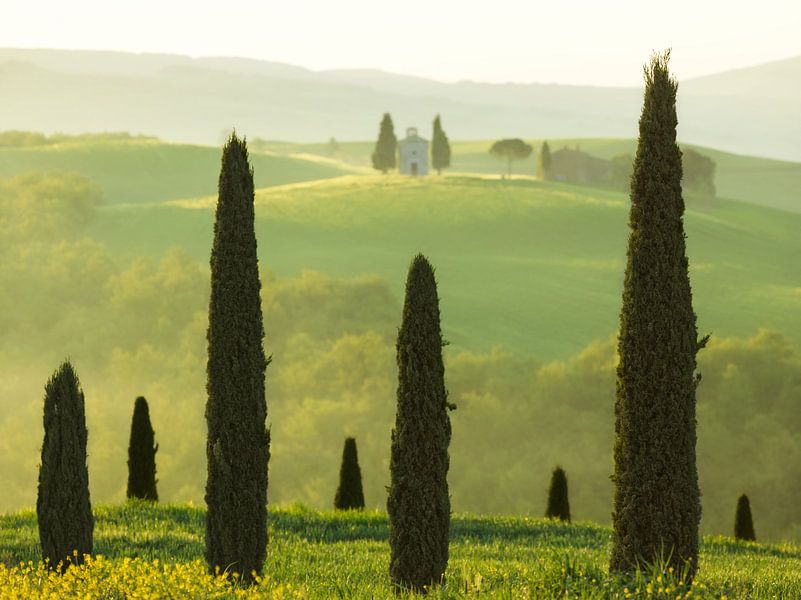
x=157 y=551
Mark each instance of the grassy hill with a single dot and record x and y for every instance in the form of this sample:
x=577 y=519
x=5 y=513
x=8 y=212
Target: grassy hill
x=761 y=181
x=148 y=170
x=751 y=111
x=536 y=267
x=157 y=551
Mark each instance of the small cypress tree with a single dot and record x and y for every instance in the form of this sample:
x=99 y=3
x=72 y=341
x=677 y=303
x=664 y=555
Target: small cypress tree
x=743 y=524
x=440 y=148
x=63 y=508
x=237 y=447
x=386 y=148
x=558 y=504
x=418 y=503
x=544 y=162
x=142 y=455
x=349 y=493
x=657 y=505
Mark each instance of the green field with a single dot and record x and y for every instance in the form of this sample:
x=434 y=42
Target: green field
x=530 y=279
x=536 y=267
x=157 y=551
x=148 y=170
x=760 y=181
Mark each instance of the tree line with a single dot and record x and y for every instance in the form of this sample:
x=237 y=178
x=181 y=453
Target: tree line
x=657 y=507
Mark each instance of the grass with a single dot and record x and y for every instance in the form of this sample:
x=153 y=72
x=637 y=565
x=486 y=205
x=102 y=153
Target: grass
x=157 y=551
x=149 y=170
x=536 y=267
x=761 y=181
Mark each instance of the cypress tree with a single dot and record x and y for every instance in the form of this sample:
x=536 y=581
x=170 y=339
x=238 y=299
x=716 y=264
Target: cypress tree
x=349 y=493
x=440 y=148
x=544 y=162
x=237 y=447
x=142 y=455
x=418 y=503
x=386 y=148
x=62 y=505
x=558 y=504
x=743 y=524
x=657 y=505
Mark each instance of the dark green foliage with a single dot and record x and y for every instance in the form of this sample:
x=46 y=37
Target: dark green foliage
x=621 y=170
x=699 y=174
x=418 y=504
x=440 y=148
x=558 y=504
x=386 y=148
x=62 y=506
x=142 y=455
x=544 y=162
x=657 y=505
x=237 y=448
x=349 y=493
x=743 y=523
x=512 y=149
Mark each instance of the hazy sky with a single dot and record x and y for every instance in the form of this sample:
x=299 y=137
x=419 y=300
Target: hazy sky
x=568 y=41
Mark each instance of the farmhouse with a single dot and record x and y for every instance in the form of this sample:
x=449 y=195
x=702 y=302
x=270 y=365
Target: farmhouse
x=413 y=154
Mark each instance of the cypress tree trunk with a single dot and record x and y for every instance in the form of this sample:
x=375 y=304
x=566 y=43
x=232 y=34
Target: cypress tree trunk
x=418 y=504
x=558 y=504
x=142 y=455
x=657 y=505
x=349 y=493
x=237 y=447
x=743 y=524
x=63 y=508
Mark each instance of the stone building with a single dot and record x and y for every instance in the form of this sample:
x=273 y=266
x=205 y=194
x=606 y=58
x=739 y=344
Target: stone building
x=413 y=154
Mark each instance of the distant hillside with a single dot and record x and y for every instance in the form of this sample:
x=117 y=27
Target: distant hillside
x=534 y=266
x=193 y=100
x=760 y=181
x=148 y=170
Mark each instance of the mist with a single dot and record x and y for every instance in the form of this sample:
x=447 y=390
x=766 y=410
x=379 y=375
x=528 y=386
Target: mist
x=137 y=327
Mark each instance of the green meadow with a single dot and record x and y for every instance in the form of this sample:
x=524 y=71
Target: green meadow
x=760 y=181
x=105 y=259
x=134 y=170
x=153 y=551
x=534 y=267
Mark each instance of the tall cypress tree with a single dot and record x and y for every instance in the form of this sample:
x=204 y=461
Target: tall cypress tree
x=558 y=504
x=63 y=507
x=743 y=523
x=440 y=148
x=418 y=504
x=386 y=148
x=142 y=455
x=657 y=505
x=349 y=493
x=237 y=447
x=544 y=162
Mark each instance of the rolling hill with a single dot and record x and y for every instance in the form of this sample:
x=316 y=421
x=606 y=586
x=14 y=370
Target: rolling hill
x=536 y=267
x=760 y=181
x=193 y=100
x=148 y=170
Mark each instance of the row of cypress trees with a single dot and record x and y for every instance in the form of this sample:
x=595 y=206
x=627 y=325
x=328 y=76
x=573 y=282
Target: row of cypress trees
x=63 y=506
x=237 y=446
x=657 y=500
